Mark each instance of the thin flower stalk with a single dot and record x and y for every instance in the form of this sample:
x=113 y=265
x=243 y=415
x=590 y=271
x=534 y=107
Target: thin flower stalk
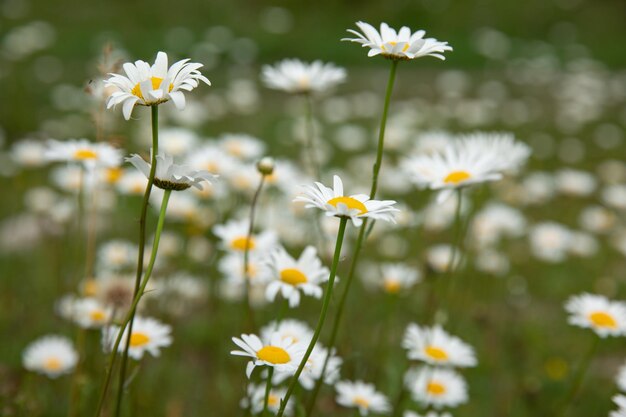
x=362 y=232
x=322 y=317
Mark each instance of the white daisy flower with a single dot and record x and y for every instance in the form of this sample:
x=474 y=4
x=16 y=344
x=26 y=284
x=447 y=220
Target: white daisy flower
x=469 y=160
x=362 y=396
x=282 y=354
x=295 y=76
x=603 y=316
x=290 y=276
x=212 y=158
x=550 y=241
x=117 y=255
x=438 y=387
x=51 y=356
x=256 y=400
x=401 y=45
x=91 y=313
x=132 y=182
x=151 y=85
x=296 y=330
x=91 y=155
x=28 y=153
x=435 y=346
x=170 y=176
x=356 y=207
x=234 y=237
x=242 y=146
x=398 y=277
x=149 y=335
x=313 y=369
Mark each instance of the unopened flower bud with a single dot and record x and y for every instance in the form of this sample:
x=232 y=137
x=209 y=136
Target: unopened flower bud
x=265 y=166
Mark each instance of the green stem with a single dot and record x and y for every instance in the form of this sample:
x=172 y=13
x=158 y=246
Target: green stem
x=142 y=242
x=579 y=377
x=320 y=323
x=246 y=255
x=77 y=384
x=359 y=242
x=268 y=387
x=310 y=138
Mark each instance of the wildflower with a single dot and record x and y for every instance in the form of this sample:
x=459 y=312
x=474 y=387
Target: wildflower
x=290 y=276
x=90 y=313
x=355 y=207
x=550 y=241
x=91 y=155
x=296 y=330
x=148 y=335
x=295 y=76
x=398 y=277
x=401 y=45
x=435 y=346
x=256 y=399
x=234 y=236
x=51 y=356
x=242 y=146
x=170 y=176
x=437 y=387
x=362 y=396
x=282 y=354
x=470 y=160
x=603 y=316
x=152 y=85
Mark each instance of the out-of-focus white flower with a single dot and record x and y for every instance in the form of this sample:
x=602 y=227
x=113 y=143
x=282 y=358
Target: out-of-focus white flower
x=242 y=146
x=550 y=241
x=234 y=237
x=148 y=335
x=574 y=182
x=90 y=313
x=51 y=356
x=603 y=316
x=28 y=153
x=615 y=196
x=401 y=45
x=440 y=256
x=91 y=155
x=295 y=76
x=435 y=346
x=620 y=379
x=362 y=396
x=177 y=141
x=495 y=221
x=597 y=219
x=436 y=387
x=152 y=85
x=256 y=400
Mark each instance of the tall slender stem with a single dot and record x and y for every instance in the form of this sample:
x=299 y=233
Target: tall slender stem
x=246 y=254
x=359 y=242
x=579 y=377
x=320 y=322
x=142 y=243
x=268 y=387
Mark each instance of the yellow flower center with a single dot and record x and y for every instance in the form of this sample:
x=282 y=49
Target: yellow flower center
x=361 y=401
x=292 y=276
x=436 y=353
x=242 y=242
x=156 y=84
x=138 y=339
x=602 y=319
x=113 y=175
x=392 y=286
x=456 y=177
x=84 y=154
x=350 y=202
x=273 y=355
x=52 y=364
x=273 y=400
x=90 y=287
x=435 y=388
x=97 y=316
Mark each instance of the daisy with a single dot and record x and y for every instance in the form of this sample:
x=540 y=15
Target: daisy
x=290 y=276
x=603 y=316
x=398 y=277
x=313 y=369
x=469 y=160
x=117 y=255
x=242 y=146
x=90 y=313
x=152 y=85
x=284 y=355
x=401 y=45
x=149 y=335
x=437 y=387
x=436 y=347
x=132 y=182
x=256 y=400
x=51 y=356
x=234 y=237
x=362 y=396
x=355 y=207
x=28 y=153
x=212 y=158
x=295 y=76
x=170 y=176
x=297 y=331
x=82 y=151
